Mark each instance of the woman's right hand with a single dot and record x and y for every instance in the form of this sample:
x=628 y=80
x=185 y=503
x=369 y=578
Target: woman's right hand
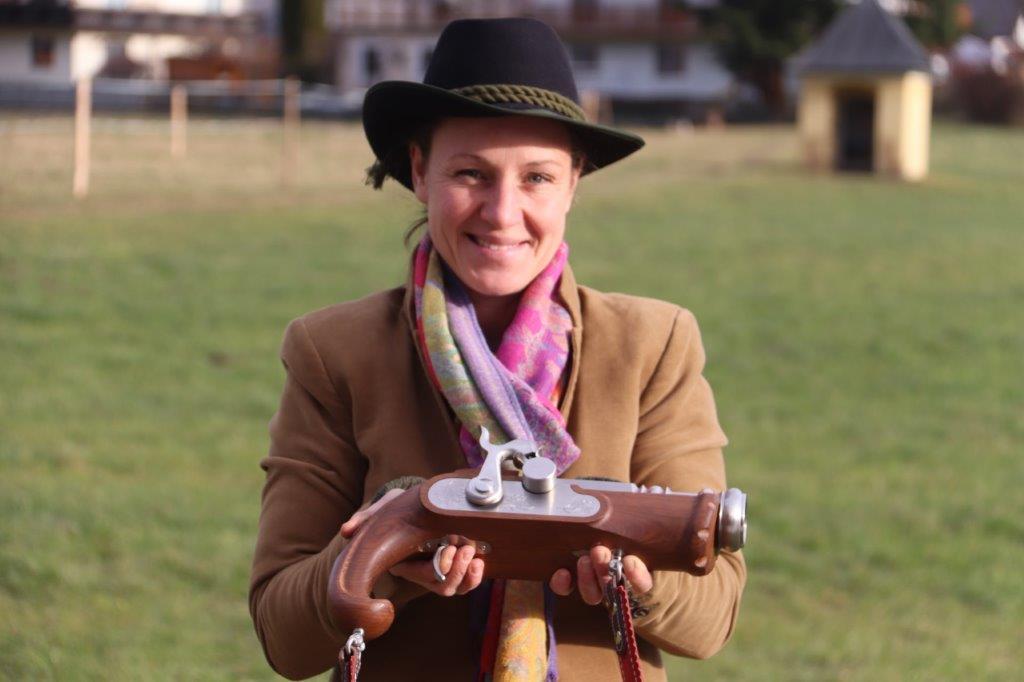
x=463 y=570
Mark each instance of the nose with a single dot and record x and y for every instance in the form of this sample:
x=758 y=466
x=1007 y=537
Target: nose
x=502 y=205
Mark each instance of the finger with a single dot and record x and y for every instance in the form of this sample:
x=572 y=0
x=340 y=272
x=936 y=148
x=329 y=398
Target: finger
x=453 y=578
x=561 y=582
x=447 y=559
x=637 y=574
x=586 y=581
x=419 y=571
x=349 y=528
x=474 y=576
x=601 y=557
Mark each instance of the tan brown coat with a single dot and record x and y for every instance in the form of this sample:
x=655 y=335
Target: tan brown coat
x=358 y=410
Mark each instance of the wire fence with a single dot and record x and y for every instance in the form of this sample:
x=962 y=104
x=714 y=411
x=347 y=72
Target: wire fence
x=206 y=142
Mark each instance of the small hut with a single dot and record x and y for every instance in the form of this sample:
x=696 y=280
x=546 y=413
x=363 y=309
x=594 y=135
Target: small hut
x=866 y=96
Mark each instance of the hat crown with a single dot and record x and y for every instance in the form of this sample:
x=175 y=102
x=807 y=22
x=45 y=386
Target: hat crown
x=513 y=51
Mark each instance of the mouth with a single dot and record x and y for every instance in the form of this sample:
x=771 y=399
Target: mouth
x=496 y=245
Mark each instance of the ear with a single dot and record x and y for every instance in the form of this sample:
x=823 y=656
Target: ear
x=418 y=166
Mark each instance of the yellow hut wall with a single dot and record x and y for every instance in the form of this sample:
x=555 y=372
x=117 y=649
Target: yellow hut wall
x=916 y=124
x=816 y=120
x=902 y=121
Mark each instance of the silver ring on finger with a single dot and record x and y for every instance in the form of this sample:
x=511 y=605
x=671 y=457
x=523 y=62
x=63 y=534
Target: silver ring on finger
x=439 y=575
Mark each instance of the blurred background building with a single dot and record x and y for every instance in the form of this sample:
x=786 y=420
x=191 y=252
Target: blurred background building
x=986 y=64
x=59 y=42
x=648 y=59
x=637 y=61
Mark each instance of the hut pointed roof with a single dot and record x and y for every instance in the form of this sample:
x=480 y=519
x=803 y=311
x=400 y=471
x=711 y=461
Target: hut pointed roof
x=865 y=38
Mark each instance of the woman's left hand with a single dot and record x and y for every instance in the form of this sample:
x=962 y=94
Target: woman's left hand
x=592 y=574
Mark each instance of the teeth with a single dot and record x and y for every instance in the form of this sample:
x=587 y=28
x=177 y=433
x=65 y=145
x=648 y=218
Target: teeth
x=491 y=246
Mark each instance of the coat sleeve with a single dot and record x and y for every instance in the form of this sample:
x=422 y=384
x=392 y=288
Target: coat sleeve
x=314 y=483
x=679 y=445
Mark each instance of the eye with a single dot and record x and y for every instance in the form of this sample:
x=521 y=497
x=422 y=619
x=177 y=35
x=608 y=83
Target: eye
x=538 y=178
x=471 y=173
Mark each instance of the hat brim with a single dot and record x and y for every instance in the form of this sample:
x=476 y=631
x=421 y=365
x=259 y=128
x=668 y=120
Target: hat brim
x=392 y=111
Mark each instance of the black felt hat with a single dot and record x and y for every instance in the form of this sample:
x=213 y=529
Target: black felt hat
x=488 y=67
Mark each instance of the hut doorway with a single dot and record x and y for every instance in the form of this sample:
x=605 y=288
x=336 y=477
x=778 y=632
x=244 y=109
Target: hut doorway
x=855 y=131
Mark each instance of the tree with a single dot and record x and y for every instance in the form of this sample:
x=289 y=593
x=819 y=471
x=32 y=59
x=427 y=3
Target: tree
x=303 y=38
x=934 y=22
x=755 y=38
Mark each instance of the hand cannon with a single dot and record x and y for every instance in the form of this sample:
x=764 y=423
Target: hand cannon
x=528 y=525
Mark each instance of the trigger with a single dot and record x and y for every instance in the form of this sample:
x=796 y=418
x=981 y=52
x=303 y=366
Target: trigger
x=439 y=575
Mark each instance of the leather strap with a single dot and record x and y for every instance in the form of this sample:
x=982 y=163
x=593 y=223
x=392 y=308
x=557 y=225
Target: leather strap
x=350 y=658
x=349 y=665
x=616 y=600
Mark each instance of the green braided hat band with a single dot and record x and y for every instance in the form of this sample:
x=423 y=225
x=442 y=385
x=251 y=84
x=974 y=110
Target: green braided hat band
x=524 y=94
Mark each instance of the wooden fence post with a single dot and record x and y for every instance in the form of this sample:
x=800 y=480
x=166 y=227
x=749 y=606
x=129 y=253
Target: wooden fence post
x=83 y=114
x=179 y=121
x=291 y=120
x=590 y=100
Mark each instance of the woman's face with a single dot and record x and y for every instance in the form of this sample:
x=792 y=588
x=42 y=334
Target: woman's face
x=497 y=192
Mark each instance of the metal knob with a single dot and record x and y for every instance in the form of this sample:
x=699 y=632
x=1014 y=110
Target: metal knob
x=539 y=475
x=732 y=521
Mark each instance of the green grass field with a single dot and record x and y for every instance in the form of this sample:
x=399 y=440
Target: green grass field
x=865 y=342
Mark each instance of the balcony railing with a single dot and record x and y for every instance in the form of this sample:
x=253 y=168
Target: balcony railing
x=132 y=21
x=578 y=19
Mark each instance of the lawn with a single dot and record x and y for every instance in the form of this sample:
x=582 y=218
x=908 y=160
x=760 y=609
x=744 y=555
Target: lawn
x=865 y=342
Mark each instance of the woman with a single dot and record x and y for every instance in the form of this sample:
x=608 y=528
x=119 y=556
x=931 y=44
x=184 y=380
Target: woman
x=491 y=330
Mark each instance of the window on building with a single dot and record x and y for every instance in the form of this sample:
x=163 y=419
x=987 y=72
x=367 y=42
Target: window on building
x=42 y=51
x=371 y=63
x=585 y=55
x=671 y=58
x=400 y=58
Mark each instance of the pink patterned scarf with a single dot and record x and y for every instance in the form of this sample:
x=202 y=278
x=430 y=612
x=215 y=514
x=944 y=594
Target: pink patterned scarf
x=512 y=392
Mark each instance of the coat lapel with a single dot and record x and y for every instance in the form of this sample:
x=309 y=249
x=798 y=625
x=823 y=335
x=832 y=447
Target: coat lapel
x=570 y=294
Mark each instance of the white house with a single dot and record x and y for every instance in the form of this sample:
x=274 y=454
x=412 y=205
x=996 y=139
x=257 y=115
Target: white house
x=645 y=58
x=59 y=42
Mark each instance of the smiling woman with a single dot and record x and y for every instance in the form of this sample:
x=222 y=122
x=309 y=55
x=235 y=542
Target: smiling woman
x=497 y=193
x=490 y=331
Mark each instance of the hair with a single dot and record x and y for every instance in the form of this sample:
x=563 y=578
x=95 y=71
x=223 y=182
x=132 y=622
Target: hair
x=396 y=159
x=398 y=156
